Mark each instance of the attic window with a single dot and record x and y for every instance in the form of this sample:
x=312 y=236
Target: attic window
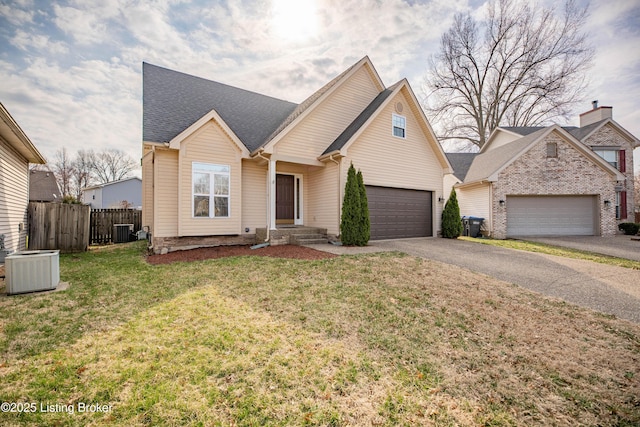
x=552 y=149
x=399 y=126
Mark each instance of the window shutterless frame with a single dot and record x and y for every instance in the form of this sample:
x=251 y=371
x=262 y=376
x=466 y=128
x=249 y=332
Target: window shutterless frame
x=210 y=190
x=399 y=126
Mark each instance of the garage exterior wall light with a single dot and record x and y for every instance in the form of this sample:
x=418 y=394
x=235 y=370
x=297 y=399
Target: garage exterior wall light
x=502 y=203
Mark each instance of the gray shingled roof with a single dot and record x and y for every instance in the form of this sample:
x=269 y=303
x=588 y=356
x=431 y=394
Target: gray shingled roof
x=522 y=130
x=43 y=187
x=461 y=162
x=580 y=133
x=577 y=132
x=359 y=121
x=173 y=101
x=486 y=164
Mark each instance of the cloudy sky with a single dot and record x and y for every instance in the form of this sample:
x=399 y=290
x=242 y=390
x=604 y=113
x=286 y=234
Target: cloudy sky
x=70 y=71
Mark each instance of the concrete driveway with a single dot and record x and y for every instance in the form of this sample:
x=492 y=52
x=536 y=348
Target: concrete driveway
x=620 y=246
x=608 y=289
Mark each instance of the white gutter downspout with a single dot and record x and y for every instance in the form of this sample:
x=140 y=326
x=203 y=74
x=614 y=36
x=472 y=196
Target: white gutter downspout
x=339 y=190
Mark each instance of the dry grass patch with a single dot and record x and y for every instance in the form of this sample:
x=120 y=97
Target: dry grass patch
x=544 y=248
x=381 y=339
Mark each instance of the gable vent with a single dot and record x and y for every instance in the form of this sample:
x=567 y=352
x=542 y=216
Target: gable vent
x=399 y=107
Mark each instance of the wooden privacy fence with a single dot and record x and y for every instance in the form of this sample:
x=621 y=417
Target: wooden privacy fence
x=58 y=226
x=103 y=220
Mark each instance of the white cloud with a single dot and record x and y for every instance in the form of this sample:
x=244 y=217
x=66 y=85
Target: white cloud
x=87 y=21
x=94 y=104
x=15 y=15
x=25 y=41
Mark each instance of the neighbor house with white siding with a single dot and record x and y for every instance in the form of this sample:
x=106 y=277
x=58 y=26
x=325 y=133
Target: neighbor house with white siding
x=122 y=194
x=16 y=152
x=222 y=165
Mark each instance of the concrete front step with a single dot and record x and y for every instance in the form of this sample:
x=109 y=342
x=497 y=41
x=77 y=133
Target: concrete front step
x=312 y=242
x=298 y=235
x=308 y=239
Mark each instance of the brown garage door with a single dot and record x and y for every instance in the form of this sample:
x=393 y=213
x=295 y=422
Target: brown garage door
x=398 y=212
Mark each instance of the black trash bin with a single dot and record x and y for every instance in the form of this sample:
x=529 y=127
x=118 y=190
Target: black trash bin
x=465 y=226
x=475 y=223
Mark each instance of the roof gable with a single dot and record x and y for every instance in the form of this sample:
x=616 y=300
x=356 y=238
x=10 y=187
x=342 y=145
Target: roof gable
x=210 y=116
x=174 y=101
x=43 y=187
x=585 y=132
x=486 y=166
x=317 y=98
x=368 y=115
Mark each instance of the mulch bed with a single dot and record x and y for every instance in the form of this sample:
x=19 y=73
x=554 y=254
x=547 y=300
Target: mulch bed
x=281 y=251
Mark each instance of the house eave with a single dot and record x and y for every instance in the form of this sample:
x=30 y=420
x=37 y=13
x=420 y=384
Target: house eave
x=16 y=138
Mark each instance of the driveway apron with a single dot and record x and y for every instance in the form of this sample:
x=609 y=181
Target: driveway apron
x=608 y=289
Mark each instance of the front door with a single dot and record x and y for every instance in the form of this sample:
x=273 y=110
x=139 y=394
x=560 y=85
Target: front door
x=285 y=199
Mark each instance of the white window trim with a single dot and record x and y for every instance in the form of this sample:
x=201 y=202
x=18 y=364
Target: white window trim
x=393 y=126
x=615 y=150
x=212 y=195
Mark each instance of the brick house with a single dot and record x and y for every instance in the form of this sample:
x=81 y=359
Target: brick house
x=550 y=180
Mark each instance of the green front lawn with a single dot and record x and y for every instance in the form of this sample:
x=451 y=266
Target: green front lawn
x=381 y=339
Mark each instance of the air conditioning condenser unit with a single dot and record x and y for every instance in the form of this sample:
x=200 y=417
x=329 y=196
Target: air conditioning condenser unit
x=32 y=271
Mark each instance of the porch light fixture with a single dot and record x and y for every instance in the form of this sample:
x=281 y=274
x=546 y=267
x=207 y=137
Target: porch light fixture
x=441 y=199
x=501 y=202
x=607 y=203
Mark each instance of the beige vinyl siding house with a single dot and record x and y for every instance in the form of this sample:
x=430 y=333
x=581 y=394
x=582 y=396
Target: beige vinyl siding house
x=284 y=165
x=16 y=152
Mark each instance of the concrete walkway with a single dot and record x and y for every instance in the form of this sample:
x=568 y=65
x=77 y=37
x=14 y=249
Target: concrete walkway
x=608 y=289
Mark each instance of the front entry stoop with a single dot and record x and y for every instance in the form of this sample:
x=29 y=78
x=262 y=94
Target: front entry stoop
x=293 y=235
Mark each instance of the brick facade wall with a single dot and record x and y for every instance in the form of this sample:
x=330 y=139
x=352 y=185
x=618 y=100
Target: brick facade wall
x=608 y=136
x=571 y=173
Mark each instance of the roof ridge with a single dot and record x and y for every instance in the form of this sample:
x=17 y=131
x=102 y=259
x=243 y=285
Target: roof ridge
x=216 y=82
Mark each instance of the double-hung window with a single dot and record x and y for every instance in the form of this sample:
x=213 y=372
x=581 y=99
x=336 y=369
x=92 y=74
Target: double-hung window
x=610 y=155
x=211 y=190
x=399 y=126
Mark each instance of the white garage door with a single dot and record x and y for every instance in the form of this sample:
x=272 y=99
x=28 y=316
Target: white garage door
x=551 y=216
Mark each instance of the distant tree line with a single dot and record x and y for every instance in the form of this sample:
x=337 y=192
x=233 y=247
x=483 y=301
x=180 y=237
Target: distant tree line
x=87 y=168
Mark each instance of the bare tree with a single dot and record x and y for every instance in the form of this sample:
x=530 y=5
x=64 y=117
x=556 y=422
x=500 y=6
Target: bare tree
x=112 y=165
x=82 y=174
x=63 y=169
x=523 y=65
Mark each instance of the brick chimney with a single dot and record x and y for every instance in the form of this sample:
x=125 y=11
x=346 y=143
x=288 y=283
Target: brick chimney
x=596 y=114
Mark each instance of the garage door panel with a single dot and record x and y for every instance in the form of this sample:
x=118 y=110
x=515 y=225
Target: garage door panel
x=398 y=213
x=551 y=215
